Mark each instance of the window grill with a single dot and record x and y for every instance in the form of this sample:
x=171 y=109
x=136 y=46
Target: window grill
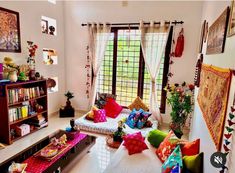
x=120 y=70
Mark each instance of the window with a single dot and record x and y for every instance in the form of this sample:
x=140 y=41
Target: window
x=123 y=70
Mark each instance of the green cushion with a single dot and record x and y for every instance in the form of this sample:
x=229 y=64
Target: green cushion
x=194 y=163
x=155 y=137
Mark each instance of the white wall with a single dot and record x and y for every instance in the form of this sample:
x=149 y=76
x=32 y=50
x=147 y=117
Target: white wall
x=30 y=27
x=82 y=12
x=211 y=11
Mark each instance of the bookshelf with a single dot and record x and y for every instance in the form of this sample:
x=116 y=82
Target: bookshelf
x=22 y=103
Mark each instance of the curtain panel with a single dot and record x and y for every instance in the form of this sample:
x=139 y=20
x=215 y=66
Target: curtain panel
x=153 y=42
x=98 y=38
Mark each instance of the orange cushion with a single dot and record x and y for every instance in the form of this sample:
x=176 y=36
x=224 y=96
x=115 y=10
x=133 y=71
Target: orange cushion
x=138 y=104
x=167 y=146
x=90 y=114
x=190 y=148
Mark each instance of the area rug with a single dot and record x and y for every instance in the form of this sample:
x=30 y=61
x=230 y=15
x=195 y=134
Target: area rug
x=212 y=99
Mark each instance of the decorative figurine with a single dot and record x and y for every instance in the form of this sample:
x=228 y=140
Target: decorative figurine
x=117 y=135
x=68 y=110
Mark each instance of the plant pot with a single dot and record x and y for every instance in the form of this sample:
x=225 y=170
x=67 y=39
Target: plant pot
x=117 y=138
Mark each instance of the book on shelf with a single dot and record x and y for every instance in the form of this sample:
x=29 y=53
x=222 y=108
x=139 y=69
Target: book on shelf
x=22 y=94
x=16 y=113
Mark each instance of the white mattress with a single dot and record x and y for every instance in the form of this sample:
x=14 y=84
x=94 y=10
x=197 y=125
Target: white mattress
x=111 y=125
x=145 y=162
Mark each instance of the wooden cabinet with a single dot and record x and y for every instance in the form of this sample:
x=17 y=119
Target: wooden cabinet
x=22 y=103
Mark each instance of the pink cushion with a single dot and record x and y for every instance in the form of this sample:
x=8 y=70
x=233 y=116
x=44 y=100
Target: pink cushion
x=112 y=108
x=134 y=143
x=99 y=116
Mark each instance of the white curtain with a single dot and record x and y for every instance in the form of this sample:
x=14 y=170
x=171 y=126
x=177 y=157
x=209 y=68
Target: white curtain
x=98 y=38
x=153 y=43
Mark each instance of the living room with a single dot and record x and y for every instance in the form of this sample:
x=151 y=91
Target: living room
x=67 y=69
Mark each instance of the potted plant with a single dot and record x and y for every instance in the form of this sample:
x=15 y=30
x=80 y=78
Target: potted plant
x=180 y=100
x=117 y=135
x=68 y=110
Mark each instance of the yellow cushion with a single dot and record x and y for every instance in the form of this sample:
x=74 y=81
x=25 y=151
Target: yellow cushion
x=138 y=104
x=90 y=115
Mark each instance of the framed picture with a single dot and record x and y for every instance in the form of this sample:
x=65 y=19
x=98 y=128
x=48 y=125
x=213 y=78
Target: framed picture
x=217 y=34
x=44 y=25
x=9 y=31
x=202 y=36
x=231 y=30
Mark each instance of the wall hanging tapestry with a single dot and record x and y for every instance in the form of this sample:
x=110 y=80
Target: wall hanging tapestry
x=217 y=34
x=9 y=31
x=212 y=99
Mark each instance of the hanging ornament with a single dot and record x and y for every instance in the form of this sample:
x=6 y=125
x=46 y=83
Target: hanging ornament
x=231 y=116
x=229 y=129
x=179 y=48
x=226 y=149
x=232 y=109
x=226 y=142
x=230 y=123
x=228 y=135
x=87 y=67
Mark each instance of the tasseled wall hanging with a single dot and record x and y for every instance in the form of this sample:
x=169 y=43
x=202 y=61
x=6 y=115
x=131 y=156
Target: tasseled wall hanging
x=88 y=67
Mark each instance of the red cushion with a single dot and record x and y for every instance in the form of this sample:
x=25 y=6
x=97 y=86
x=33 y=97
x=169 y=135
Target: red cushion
x=167 y=146
x=99 y=116
x=190 y=148
x=134 y=143
x=112 y=108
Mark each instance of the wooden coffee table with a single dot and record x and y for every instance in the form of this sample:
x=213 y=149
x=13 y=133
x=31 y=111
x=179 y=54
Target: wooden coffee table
x=77 y=148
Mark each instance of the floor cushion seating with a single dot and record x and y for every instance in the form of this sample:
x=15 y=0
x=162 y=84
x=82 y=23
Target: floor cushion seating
x=110 y=126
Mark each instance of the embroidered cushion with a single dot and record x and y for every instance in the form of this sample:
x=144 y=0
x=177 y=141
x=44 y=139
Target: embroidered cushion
x=193 y=164
x=99 y=116
x=173 y=160
x=155 y=137
x=133 y=118
x=190 y=148
x=101 y=99
x=134 y=143
x=167 y=146
x=138 y=104
x=112 y=108
x=176 y=169
x=143 y=119
x=90 y=114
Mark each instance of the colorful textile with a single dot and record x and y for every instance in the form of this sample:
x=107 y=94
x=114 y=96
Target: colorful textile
x=38 y=165
x=99 y=116
x=193 y=164
x=133 y=118
x=212 y=99
x=112 y=108
x=102 y=99
x=134 y=143
x=173 y=160
x=167 y=146
x=155 y=137
x=190 y=148
x=138 y=104
x=90 y=114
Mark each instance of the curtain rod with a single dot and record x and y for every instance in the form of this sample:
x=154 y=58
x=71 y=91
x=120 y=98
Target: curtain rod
x=145 y=23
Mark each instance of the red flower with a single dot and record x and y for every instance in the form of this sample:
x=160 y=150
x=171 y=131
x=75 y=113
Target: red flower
x=191 y=87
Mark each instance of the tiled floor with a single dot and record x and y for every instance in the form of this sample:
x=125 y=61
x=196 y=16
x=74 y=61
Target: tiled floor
x=93 y=162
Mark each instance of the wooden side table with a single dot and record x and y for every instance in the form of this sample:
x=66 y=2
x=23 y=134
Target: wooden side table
x=111 y=143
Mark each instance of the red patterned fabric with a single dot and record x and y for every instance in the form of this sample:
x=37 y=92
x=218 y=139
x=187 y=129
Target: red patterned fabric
x=112 y=108
x=134 y=143
x=190 y=148
x=167 y=146
x=179 y=48
x=99 y=116
x=38 y=165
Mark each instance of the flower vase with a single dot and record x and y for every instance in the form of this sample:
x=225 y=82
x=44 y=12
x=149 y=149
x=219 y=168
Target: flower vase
x=13 y=76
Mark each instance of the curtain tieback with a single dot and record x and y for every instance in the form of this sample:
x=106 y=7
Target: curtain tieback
x=153 y=85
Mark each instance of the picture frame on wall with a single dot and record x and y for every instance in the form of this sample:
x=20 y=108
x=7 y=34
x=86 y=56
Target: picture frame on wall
x=44 y=25
x=202 y=36
x=9 y=31
x=217 y=34
x=231 y=29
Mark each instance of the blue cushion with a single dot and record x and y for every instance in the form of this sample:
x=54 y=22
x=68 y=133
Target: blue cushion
x=133 y=118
